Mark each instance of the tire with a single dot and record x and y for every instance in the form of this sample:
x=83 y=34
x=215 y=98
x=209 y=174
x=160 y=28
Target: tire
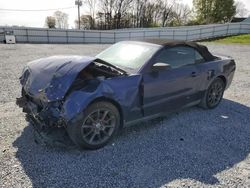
x=213 y=94
x=96 y=126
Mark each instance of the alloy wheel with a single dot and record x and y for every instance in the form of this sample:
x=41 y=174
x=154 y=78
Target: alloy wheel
x=98 y=126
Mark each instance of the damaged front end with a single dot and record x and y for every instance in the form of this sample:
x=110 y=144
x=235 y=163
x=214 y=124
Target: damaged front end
x=42 y=116
x=49 y=127
x=48 y=83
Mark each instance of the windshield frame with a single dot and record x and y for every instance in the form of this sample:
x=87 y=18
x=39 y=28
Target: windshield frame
x=130 y=69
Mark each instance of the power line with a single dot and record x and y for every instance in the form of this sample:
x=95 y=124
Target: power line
x=38 y=10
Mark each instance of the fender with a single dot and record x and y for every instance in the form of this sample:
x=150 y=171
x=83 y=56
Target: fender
x=128 y=100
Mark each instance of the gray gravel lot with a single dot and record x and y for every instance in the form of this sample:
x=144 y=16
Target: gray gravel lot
x=192 y=148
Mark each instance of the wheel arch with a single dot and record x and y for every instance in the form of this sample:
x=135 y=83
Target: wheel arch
x=223 y=78
x=204 y=95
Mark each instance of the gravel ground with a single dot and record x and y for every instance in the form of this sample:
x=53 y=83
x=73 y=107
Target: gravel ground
x=192 y=148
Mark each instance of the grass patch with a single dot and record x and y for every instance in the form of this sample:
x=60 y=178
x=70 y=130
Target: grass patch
x=239 y=39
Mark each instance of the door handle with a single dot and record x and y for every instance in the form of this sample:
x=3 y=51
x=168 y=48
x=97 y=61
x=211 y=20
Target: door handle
x=193 y=74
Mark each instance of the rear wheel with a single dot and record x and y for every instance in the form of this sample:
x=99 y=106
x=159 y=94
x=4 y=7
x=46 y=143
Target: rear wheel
x=96 y=126
x=213 y=94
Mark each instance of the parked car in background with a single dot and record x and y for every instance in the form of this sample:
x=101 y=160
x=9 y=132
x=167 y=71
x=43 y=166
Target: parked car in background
x=9 y=37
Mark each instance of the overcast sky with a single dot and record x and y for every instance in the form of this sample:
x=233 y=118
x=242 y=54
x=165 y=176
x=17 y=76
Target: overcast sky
x=37 y=19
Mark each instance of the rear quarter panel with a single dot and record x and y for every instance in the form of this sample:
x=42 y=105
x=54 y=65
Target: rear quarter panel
x=223 y=67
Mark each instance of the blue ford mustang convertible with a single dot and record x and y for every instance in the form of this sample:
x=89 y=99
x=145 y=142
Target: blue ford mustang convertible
x=131 y=81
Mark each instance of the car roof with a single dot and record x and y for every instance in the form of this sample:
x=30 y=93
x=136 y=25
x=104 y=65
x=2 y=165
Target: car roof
x=172 y=43
x=166 y=42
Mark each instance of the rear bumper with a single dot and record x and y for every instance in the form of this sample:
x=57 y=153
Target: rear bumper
x=229 y=79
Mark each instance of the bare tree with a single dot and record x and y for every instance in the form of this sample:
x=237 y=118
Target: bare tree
x=140 y=10
x=50 y=22
x=61 y=20
x=181 y=13
x=148 y=18
x=121 y=9
x=92 y=5
x=167 y=12
x=241 y=10
x=138 y=13
x=157 y=12
x=100 y=20
x=107 y=7
x=86 y=22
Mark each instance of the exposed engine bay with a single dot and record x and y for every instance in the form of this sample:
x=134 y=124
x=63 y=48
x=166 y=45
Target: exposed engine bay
x=98 y=70
x=91 y=76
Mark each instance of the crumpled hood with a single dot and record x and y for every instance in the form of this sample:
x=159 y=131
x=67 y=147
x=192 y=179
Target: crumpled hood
x=54 y=75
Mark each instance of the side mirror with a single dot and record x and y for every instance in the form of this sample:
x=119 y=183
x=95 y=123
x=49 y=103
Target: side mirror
x=160 y=67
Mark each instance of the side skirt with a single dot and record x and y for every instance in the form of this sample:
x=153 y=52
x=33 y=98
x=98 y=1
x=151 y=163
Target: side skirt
x=154 y=116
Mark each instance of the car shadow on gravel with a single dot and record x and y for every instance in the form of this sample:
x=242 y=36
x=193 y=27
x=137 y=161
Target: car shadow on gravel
x=192 y=144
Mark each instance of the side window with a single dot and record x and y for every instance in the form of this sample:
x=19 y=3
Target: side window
x=179 y=56
x=198 y=58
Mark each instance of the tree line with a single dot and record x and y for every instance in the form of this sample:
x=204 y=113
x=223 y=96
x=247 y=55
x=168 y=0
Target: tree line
x=117 y=14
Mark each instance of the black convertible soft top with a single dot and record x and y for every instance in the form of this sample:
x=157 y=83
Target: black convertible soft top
x=171 y=43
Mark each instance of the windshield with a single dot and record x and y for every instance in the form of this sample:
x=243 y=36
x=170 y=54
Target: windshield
x=129 y=55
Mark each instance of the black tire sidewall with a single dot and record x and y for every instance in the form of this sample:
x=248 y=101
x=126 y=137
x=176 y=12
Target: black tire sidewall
x=74 y=128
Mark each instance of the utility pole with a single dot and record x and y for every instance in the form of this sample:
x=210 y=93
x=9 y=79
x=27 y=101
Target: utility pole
x=78 y=3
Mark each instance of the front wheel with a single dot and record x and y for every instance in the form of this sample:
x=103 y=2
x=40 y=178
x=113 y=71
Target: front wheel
x=96 y=126
x=213 y=94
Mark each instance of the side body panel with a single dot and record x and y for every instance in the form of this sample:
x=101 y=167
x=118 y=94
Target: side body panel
x=169 y=90
x=123 y=90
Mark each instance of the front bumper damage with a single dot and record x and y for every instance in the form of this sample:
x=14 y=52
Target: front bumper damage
x=49 y=128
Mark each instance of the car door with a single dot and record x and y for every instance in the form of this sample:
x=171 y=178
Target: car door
x=170 y=89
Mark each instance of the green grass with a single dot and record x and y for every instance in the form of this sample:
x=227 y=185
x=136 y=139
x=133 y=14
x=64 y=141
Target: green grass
x=239 y=39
